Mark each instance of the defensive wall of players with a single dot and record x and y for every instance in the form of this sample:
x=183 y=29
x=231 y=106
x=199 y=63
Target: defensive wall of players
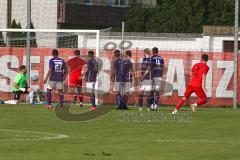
x=219 y=78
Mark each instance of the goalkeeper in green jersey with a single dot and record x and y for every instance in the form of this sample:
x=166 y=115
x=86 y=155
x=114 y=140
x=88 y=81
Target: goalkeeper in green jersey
x=20 y=87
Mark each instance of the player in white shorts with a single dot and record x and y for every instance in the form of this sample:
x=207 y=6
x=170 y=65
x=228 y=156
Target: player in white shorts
x=90 y=76
x=157 y=69
x=123 y=75
x=56 y=75
x=146 y=81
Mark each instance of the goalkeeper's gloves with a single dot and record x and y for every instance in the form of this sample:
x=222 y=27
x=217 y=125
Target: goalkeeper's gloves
x=22 y=89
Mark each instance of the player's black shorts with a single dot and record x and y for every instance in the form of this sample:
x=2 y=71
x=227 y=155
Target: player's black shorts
x=17 y=94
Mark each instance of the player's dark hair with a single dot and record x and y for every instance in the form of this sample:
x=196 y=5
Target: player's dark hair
x=77 y=52
x=155 y=50
x=90 y=53
x=22 y=67
x=147 y=50
x=55 y=52
x=129 y=53
x=117 y=53
x=205 y=57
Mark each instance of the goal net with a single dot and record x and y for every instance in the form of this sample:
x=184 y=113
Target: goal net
x=13 y=53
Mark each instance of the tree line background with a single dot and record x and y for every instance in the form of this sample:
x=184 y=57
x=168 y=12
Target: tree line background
x=180 y=16
x=169 y=16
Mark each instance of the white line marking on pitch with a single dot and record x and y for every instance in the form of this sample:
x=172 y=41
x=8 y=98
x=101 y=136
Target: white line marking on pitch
x=42 y=135
x=193 y=141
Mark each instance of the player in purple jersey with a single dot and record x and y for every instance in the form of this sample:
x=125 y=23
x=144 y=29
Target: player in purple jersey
x=118 y=78
x=123 y=74
x=116 y=62
x=117 y=67
x=146 y=80
x=56 y=75
x=90 y=76
x=116 y=56
x=157 y=73
x=129 y=76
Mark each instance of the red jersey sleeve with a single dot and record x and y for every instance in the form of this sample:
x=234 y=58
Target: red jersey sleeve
x=205 y=70
x=83 y=62
x=194 y=68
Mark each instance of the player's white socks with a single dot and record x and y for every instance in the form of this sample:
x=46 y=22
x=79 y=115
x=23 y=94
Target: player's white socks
x=11 y=102
x=174 y=112
x=194 y=107
x=31 y=96
x=152 y=107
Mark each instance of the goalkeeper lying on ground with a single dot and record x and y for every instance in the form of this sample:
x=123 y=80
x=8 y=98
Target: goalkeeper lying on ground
x=20 y=87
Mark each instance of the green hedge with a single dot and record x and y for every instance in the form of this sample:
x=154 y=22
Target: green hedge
x=180 y=16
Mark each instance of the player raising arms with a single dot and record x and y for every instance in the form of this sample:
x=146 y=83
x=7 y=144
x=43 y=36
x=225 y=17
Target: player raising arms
x=90 y=76
x=56 y=75
x=75 y=79
x=146 y=80
x=197 y=85
x=157 y=70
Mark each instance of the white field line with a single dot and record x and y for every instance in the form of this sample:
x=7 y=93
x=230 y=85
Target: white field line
x=194 y=141
x=40 y=135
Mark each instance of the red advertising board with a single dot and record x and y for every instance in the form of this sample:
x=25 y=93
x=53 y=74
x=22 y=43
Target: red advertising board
x=219 y=78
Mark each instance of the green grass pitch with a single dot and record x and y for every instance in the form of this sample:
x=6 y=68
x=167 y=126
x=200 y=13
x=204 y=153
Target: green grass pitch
x=34 y=133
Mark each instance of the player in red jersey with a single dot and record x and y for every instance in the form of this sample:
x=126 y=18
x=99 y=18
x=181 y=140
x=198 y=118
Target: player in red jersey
x=197 y=85
x=75 y=65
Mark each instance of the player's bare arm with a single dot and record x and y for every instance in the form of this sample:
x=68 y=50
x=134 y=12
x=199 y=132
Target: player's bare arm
x=165 y=69
x=133 y=76
x=16 y=85
x=65 y=72
x=48 y=75
x=68 y=67
x=146 y=73
x=84 y=71
x=113 y=74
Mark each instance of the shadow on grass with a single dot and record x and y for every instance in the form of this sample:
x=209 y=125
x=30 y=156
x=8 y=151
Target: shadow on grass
x=66 y=115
